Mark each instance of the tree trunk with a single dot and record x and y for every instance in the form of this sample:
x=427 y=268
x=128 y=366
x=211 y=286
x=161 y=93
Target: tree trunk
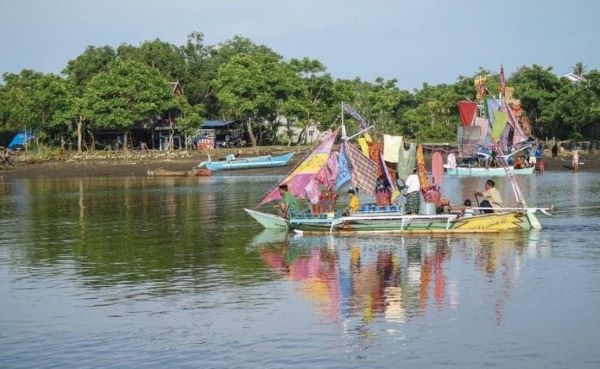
x=79 y=133
x=250 y=133
x=126 y=140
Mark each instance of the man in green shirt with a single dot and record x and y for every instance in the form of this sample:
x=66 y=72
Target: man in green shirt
x=288 y=202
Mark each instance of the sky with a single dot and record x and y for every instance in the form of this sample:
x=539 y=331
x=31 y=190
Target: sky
x=432 y=41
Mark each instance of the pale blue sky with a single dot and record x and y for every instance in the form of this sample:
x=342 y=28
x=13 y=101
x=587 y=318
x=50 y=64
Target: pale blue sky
x=417 y=41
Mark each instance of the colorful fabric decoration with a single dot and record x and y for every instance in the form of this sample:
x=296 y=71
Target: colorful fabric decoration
x=406 y=160
x=391 y=148
x=467 y=110
x=363 y=169
x=500 y=120
x=304 y=172
x=343 y=175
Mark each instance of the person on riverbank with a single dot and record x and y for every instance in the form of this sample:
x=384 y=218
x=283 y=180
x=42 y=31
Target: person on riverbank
x=6 y=157
x=413 y=193
x=492 y=198
x=288 y=202
x=575 y=159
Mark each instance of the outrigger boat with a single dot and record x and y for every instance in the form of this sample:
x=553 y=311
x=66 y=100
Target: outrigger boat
x=465 y=171
x=318 y=168
x=232 y=163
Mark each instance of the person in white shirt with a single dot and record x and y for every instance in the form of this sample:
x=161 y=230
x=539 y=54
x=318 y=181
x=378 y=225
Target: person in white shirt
x=413 y=193
x=451 y=160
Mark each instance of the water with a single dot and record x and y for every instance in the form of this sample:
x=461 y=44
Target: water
x=154 y=273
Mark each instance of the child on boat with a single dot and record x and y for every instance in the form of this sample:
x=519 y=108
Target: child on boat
x=468 y=211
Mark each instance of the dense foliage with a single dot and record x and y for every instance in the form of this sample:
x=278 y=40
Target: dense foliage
x=117 y=89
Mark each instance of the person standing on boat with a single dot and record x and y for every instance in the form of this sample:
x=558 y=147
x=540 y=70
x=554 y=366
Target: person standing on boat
x=413 y=193
x=288 y=202
x=492 y=198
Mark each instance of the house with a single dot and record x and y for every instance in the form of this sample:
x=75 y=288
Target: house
x=220 y=133
x=573 y=77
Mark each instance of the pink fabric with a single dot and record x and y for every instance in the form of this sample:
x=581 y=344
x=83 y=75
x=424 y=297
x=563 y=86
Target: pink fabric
x=300 y=176
x=326 y=177
x=437 y=168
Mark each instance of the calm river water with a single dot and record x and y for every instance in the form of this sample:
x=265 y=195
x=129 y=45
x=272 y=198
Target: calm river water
x=171 y=273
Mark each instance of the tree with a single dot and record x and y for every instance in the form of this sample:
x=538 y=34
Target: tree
x=91 y=62
x=167 y=58
x=129 y=92
x=256 y=88
x=538 y=88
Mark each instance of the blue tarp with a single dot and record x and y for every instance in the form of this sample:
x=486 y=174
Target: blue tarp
x=20 y=139
x=212 y=124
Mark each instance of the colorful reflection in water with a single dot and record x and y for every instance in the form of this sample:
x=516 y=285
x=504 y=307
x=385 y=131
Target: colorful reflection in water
x=396 y=279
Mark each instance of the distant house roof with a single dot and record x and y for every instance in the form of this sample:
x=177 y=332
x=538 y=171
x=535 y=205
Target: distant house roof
x=207 y=124
x=176 y=88
x=573 y=77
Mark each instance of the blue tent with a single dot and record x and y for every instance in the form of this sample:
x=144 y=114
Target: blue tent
x=20 y=139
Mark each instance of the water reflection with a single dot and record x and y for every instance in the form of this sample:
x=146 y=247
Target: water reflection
x=360 y=281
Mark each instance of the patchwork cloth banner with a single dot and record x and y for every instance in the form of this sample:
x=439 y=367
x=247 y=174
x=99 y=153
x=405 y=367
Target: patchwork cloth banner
x=363 y=169
x=300 y=176
x=467 y=110
x=484 y=126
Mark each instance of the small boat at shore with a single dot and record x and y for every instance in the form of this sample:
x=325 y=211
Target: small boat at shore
x=197 y=172
x=232 y=163
x=485 y=172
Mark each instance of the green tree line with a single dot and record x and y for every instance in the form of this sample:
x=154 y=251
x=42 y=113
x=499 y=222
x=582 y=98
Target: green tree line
x=119 y=88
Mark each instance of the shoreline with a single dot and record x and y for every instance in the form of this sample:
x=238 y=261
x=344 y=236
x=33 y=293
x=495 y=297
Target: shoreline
x=137 y=164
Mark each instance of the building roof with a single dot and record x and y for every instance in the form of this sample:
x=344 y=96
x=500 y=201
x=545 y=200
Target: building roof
x=218 y=123
x=573 y=77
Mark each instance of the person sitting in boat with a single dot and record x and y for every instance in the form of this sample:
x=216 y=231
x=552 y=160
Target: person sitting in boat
x=520 y=162
x=468 y=211
x=413 y=193
x=353 y=202
x=288 y=202
x=492 y=198
x=451 y=160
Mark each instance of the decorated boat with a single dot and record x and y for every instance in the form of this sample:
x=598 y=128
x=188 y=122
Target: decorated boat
x=490 y=121
x=233 y=163
x=470 y=171
x=327 y=170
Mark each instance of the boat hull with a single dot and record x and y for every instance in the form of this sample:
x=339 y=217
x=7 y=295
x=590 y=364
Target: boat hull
x=250 y=163
x=418 y=224
x=269 y=221
x=484 y=172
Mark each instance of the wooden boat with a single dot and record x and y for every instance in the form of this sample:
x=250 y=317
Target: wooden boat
x=386 y=220
x=179 y=173
x=248 y=163
x=484 y=172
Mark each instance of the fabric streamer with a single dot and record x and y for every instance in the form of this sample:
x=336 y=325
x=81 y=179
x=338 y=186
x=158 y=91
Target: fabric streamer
x=500 y=120
x=437 y=168
x=343 y=176
x=391 y=148
x=302 y=174
x=406 y=160
x=467 y=110
x=364 y=146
